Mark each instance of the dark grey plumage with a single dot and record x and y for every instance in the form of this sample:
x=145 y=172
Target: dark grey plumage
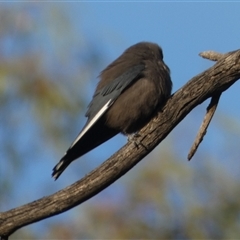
x=128 y=94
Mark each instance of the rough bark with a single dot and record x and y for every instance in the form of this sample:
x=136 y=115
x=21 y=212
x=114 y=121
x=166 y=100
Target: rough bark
x=203 y=86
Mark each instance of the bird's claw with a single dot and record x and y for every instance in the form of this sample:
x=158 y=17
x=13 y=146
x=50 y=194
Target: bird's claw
x=133 y=138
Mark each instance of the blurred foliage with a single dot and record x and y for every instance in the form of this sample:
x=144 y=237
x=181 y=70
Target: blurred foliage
x=44 y=68
x=42 y=72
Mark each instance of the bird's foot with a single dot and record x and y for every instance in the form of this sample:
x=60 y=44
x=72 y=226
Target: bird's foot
x=133 y=138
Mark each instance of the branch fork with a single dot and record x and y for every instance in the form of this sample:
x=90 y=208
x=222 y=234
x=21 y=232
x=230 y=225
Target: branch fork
x=214 y=56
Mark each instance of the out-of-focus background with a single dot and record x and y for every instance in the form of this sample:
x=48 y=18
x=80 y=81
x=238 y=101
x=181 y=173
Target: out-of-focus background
x=50 y=57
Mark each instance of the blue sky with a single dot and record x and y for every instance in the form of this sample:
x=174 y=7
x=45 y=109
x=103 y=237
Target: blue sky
x=183 y=30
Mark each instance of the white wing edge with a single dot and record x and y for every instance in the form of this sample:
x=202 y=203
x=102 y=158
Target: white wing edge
x=96 y=117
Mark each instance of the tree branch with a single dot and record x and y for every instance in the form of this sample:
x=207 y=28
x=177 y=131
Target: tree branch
x=205 y=85
x=206 y=121
x=211 y=55
x=214 y=56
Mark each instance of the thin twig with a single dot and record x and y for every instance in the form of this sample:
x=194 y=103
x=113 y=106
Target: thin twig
x=206 y=121
x=211 y=55
x=214 y=56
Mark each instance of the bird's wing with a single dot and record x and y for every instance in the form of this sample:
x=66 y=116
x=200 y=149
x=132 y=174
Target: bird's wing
x=105 y=97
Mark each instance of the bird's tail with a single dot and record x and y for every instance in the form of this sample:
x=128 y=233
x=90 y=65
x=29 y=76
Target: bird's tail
x=60 y=167
x=95 y=136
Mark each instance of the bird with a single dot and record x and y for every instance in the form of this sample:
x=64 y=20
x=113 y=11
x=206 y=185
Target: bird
x=130 y=91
